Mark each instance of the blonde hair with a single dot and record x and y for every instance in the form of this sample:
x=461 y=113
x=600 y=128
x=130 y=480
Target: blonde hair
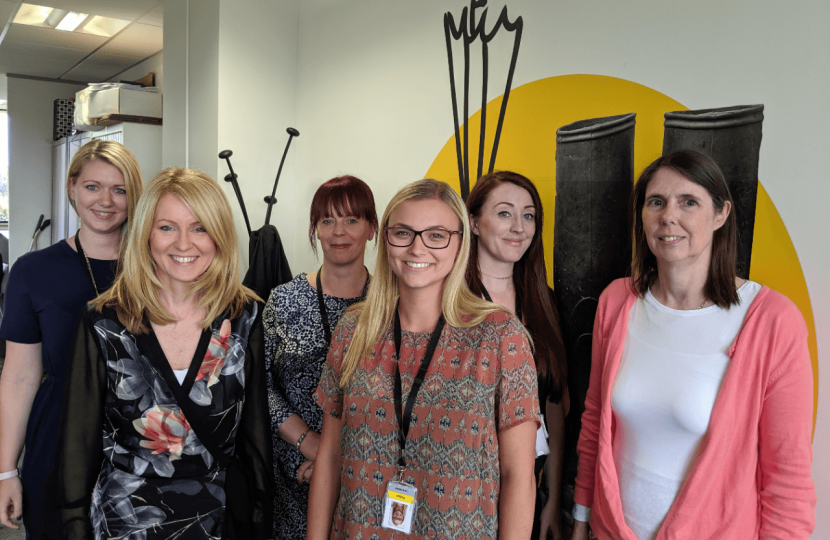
x=461 y=308
x=135 y=290
x=117 y=155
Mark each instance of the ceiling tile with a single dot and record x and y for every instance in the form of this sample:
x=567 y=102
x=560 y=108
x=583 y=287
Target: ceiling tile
x=43 y=52
x=137 y=39
x=6 y=9
x=47 y=39
x=156 y=17
x=99 y=69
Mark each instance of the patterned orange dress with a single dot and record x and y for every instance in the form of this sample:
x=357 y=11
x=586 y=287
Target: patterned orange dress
x=481 y=381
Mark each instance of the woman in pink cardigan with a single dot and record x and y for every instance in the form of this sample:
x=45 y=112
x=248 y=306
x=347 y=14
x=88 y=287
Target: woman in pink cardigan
x=698 y=418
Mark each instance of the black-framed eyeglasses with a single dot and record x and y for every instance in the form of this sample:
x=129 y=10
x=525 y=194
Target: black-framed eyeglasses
x=435 y=238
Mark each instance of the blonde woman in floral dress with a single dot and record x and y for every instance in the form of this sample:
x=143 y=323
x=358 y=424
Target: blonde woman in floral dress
x=168 y=364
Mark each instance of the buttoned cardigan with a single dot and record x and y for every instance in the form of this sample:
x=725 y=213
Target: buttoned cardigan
x=751 y=476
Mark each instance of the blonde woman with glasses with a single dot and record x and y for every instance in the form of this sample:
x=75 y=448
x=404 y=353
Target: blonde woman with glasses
x=429 y=394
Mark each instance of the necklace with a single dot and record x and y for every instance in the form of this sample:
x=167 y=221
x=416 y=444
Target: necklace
x=703 y=304
x=495 y=277
x=86 y=259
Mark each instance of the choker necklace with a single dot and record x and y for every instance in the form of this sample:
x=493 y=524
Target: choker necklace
x=494 y=277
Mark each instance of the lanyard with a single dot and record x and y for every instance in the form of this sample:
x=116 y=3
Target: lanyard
x=324 y=315
x=518 y=305
x=405 y=417
x=85 y=260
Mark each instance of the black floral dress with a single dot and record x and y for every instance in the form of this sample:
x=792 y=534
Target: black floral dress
x=151 y=477
x=295 y=351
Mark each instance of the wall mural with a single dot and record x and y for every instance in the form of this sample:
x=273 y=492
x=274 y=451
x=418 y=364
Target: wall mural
x=558 y=125
x=467 y=31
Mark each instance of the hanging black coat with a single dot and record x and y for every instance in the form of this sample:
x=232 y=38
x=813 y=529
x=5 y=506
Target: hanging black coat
x=267 y=264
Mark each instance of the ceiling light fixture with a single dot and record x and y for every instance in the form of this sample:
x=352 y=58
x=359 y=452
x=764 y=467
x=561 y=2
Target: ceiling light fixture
x=32 y=15
x=103 y=26
x=71 y=21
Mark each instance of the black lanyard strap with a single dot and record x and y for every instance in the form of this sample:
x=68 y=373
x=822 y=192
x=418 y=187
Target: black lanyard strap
x=518 y=304
x=324 y=315
x=405 y=417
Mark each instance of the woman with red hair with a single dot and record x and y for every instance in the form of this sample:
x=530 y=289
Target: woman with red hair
x=299 y=319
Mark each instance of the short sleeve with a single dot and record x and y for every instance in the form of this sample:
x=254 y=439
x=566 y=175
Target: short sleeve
x=329 y=395
x=20 y=320
x=517 y=399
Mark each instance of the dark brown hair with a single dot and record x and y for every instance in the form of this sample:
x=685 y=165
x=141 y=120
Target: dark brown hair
x=344 y=196
x=703 y=171
x=530 y=282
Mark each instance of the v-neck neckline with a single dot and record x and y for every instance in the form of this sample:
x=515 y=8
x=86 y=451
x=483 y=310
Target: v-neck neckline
x=159 y=360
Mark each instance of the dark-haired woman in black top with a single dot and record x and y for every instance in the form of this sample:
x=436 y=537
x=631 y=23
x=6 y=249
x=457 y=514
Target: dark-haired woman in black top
x=507 y=266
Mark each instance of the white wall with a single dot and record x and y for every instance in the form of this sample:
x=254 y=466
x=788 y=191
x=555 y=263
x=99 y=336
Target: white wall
x=257 y=97
x=30 y=157
x=153 y=64
x=232 y=85
x=191 y=103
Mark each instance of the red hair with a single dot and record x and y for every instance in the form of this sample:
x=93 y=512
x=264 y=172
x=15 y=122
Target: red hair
x=342 y=196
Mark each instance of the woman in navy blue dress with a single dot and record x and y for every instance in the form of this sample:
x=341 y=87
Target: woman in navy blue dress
x=46 y=291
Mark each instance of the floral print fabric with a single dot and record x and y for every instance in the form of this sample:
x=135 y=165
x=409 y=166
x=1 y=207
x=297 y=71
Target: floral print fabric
x=295 y=351
x=157 y=479
x=481 y=381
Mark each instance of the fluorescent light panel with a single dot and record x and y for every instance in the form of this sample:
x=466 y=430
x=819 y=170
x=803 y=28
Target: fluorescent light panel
x=71 y=21
x=32 y=15
x=68 y=21
x=104 y=26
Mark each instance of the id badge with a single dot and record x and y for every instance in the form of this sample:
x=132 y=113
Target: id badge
x=399 y=506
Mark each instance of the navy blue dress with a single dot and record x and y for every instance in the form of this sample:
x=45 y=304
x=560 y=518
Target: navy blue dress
x=46 y=292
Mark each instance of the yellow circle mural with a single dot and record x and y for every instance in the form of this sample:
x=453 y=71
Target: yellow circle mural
x=528 y=146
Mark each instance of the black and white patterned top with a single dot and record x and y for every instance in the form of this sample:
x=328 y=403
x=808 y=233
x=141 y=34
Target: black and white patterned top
x=295 y=351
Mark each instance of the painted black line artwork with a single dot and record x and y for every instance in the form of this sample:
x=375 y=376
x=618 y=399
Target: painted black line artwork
x=468 y=30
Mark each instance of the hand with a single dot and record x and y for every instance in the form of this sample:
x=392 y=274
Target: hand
x=582 y=531
x=305 y=471
x=11 y=501
x=550 y=525
x=309 y=446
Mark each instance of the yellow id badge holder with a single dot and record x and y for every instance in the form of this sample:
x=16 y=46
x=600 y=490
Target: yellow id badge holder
x=399 y=506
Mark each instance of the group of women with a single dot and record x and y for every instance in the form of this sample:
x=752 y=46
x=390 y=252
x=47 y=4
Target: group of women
x=419 y=401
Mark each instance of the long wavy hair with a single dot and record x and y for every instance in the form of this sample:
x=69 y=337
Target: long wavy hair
x=529 y=281
x=117 y=155
x=461 y=308
x=703 y=171
x=135 y=291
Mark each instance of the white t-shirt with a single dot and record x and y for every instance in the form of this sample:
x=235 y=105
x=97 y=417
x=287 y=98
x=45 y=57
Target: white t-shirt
x=672 y=367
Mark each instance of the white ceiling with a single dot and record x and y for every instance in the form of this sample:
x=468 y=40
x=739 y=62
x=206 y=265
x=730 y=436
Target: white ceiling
x=44 y=52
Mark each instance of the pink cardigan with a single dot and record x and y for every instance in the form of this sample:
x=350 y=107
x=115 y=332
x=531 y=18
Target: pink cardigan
x=751 y=476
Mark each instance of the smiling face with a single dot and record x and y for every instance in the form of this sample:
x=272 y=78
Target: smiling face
x=679 y=220
x=398 y=513
x=343 y=238
x=179 y=244
x=100 y=197
x=505 y=225
x=418 y=267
